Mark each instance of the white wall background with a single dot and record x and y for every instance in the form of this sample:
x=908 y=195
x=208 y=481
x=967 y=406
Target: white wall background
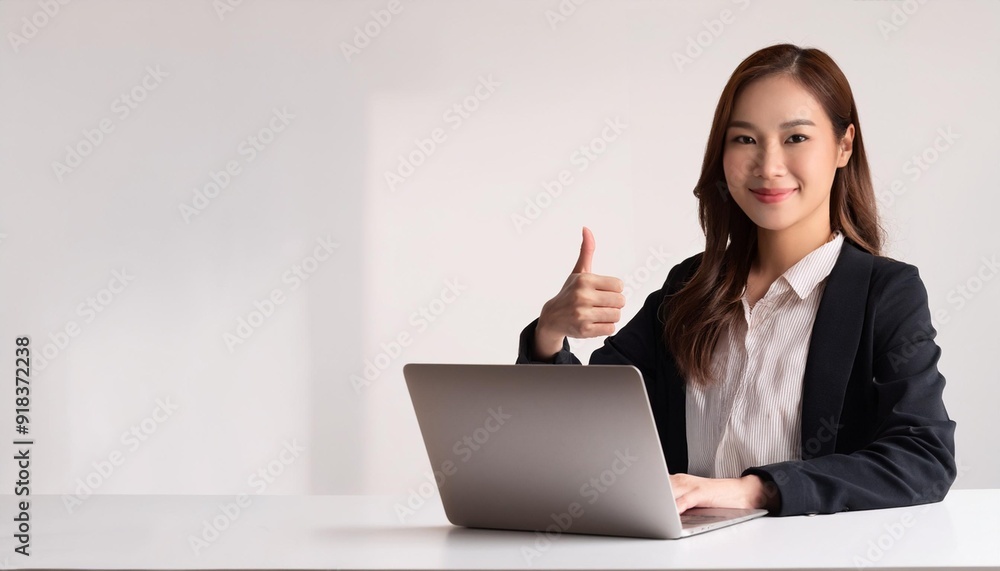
x=323 y=176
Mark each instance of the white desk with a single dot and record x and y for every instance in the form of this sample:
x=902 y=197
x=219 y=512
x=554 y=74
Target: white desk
x=363 y=532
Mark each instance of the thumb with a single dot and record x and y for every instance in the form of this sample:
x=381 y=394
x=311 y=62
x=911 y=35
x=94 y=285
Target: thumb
x=583 y=263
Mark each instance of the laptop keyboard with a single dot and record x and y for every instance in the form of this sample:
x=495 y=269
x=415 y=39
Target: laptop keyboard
x=688 y=520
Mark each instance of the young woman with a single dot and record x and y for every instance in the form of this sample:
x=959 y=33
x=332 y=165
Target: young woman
x=790 y=365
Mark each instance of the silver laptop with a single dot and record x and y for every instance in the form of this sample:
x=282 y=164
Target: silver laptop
x=567 y=448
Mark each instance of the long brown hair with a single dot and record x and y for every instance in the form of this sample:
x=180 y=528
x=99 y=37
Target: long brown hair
x=697 y=314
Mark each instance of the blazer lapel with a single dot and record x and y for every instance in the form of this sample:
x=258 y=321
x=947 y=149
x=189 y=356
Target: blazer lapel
x=832 y=348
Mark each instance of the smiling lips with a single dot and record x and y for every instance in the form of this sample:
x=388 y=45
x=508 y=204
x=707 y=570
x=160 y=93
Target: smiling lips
x=771 y=195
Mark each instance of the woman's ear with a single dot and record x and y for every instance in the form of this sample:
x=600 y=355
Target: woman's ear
x=846 y=146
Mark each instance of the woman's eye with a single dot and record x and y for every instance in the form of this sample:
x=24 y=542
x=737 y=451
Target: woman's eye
x=746 y=140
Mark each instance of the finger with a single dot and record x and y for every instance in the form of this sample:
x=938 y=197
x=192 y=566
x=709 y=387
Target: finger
x=589 y=298
x=589 y=330
x=604 y=315
x=603 y=283
x=583 y=263
x=688 y=499
x=609 y=299
x=682 y=504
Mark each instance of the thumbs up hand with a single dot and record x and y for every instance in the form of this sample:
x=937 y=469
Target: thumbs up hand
x=588 y=305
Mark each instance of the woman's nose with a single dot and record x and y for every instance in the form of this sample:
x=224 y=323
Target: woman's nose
x=769 y=163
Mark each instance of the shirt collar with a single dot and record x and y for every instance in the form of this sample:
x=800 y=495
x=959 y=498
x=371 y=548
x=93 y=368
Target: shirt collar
x=808 y=272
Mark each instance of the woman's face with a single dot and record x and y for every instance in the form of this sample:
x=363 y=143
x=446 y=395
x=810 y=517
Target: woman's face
x=780 y=155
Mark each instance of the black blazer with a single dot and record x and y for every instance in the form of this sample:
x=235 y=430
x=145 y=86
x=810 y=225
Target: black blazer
x=875 y=432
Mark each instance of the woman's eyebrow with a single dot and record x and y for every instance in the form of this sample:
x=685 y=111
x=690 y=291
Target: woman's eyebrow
x=785 y=125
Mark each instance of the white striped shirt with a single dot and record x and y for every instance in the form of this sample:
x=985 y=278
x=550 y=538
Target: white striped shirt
x=751 y=416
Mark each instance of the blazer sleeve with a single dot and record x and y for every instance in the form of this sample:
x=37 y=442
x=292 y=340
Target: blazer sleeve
x=911 y=458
